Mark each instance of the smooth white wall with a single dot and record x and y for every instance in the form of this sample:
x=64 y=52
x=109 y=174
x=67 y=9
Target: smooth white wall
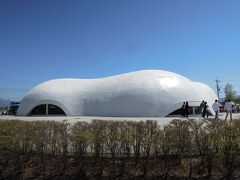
x=148 y=93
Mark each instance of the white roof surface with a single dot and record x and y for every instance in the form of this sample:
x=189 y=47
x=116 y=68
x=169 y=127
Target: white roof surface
x=147 y=93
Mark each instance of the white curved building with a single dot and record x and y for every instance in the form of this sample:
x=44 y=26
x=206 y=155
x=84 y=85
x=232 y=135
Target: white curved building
x=147 y=93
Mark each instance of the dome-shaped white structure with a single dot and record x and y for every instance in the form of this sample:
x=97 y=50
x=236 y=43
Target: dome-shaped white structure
x=148 y=93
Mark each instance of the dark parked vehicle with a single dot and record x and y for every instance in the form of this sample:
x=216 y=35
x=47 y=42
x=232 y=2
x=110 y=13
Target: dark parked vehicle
x=221 y=108
x=13 y=108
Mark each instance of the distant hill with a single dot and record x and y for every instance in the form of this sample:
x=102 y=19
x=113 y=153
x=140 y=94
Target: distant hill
x=4 y=103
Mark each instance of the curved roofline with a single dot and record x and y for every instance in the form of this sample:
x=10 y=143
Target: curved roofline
x=142 y=93
x=118 y=75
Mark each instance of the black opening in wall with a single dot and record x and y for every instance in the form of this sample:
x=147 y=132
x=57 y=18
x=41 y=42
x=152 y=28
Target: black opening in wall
x=47 y=109
x=55 y=110
x=39 y=110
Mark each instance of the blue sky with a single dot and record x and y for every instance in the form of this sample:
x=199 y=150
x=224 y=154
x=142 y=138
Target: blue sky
x=43 y=40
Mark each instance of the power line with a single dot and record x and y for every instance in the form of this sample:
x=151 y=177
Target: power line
x=231 y=80
x=13 y=90
x=11 y=98
x=19 y=80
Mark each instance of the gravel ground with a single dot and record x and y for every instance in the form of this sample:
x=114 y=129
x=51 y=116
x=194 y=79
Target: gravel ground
x=161 y=120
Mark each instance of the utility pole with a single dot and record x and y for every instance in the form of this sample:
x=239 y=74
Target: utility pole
x=217 y=86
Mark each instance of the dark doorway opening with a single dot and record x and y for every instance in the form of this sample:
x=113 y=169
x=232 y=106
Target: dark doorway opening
x=47 y=109
x=55 y=110
x=39 y=110
x=196 y=110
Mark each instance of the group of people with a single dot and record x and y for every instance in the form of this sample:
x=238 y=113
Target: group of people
x=228 y=107
x=204 y=109
x=236 y=108
x=185 y=109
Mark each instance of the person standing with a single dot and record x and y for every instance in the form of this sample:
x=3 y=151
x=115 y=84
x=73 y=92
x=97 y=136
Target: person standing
x=186 y=109
x=215 y=107
x=228 y=108
x=183 y=109
x=204 y=112
x=201 y=106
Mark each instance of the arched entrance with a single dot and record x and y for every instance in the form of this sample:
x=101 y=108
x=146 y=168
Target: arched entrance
x=47 y=109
